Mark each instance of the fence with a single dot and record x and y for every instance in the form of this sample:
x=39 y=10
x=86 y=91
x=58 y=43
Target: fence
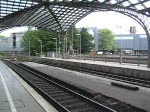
x=134 y=59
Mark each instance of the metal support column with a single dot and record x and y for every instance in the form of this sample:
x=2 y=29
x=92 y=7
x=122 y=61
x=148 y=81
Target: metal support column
x=148 y=38
x=29 y=46
x=64 y=46
x=59 y=43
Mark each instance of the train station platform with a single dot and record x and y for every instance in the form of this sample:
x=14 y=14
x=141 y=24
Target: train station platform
x=139 y=98
x=126 y=69
x=17 y=96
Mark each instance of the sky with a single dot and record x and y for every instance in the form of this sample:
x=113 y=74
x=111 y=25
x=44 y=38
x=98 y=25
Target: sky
x=118 y=23
x=110 y=20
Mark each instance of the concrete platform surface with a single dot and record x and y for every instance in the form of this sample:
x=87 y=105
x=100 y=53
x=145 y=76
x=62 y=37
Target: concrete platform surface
x=14 y=96
x=126 y=69
x=115 y=64
x=140 y=98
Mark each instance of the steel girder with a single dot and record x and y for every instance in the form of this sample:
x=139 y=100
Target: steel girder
x=59 y=16
x=54 y=17
x=143 y=20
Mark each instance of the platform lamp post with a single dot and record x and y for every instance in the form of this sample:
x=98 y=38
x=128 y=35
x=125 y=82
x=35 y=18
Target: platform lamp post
x=80 y=44
x=29 y=46
x=1 y=43
x=14 y=46
x=120 y=27
x=72 y=42
x=59 y=44
x=41 y=45
x=56 y=45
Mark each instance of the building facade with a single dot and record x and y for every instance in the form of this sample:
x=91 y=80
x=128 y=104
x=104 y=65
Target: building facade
x=94 y=32
x=135 y=42
x=6 y=44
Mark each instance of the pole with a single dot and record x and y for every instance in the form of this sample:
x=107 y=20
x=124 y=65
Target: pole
x=41 y=47
x=138 y=60
x=80 y=46
x=148 y=38
x=29 y=47
x=66 y=44
x=72 y=43
x=56 y=47
x=120 y=44
x=121 y=47
x=59 y=43
x=139 y=51
x=72 y=37
x=63 y=53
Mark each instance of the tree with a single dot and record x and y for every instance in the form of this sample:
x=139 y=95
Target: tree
x=1 y=36
x=86 y=41
x=106 y=40
x=49 y=44
x=75 y=39
x=47 y=38
x=33 y=36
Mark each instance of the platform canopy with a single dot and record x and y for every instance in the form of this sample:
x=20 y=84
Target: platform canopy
x=60 y=15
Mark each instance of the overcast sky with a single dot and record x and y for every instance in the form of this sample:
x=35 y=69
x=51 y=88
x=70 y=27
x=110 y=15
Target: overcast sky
x=110 y=20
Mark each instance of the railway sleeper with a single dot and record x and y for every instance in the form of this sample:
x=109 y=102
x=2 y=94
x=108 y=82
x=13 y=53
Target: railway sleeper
x=82 y=107
x=57 y=94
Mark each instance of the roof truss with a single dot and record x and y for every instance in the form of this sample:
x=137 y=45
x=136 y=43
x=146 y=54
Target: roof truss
x=60 y=15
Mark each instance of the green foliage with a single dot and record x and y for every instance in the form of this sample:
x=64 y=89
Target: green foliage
x=86 y=41
x=34 y=37
x=49 y=44
x=2 y=54
x=1 y=36
x=106 y=40
x=75 y=38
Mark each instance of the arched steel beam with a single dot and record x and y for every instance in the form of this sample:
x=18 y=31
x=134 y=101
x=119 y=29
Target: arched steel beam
x=61 y=19
x=94 y=5
x=12 y=19
x=144 y=21
x=54 y=16
x=61 y=15
x=141 y=18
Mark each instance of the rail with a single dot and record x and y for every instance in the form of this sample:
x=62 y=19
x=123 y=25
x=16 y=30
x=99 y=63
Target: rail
x=63 y=99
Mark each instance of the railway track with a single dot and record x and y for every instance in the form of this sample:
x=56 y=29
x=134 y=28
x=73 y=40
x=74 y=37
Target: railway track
x=61 y=97
x=131 y=80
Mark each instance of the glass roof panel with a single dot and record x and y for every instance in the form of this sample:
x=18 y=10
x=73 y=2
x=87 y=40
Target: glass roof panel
x=134 y=1
x=66 y=14
x=126 y=3
x=139 y=7
x=14 y=5
x=101 y=0
x=113 y=1
x=147 y=4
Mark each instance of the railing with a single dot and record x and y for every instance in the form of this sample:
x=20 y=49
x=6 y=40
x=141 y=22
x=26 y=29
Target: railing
x=133 y=59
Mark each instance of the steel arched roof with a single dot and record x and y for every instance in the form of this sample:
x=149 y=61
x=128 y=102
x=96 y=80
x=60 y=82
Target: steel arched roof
x=60 y=15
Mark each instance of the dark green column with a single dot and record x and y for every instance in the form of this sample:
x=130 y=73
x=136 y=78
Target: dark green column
x=148 y=51
x=64 y=46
